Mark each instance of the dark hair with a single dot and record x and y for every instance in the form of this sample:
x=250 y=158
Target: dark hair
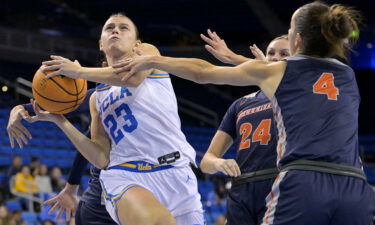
x=324 y=28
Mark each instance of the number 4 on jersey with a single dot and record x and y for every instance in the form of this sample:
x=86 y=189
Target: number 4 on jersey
x=325 y=85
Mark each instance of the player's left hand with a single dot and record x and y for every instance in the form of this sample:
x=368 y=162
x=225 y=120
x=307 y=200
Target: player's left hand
x=62 y=66
x=41 y=115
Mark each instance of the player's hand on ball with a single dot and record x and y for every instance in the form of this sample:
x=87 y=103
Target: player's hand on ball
x=228 y=167
x=41 y=115
x=62 y=66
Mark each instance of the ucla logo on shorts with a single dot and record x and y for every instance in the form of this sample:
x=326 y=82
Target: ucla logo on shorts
x=146 y=166
x=140 y=166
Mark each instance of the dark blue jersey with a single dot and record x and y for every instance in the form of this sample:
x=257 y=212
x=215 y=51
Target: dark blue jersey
x=316 y=111
x=250 y=120
x=93 y=192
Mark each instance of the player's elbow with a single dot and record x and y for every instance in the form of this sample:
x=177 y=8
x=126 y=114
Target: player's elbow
x=203 y=74
x=102 y=163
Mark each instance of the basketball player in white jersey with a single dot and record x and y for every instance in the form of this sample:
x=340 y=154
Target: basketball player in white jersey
x=135 y=136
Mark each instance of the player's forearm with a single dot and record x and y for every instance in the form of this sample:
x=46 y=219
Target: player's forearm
x=95 y=153
x=237 y=59
x=77 y=169
x=71 y=188
x=208 y=163
x=196 y=70
x=106 y=75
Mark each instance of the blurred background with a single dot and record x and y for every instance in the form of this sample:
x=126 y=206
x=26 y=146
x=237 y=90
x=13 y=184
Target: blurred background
x=30 y=31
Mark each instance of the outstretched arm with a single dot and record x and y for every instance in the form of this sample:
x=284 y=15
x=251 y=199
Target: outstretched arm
x=218 y=48
x=253 y=72
x=105 y=75
x=95 y=150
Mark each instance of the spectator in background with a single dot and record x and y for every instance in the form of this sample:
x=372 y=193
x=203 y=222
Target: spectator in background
x=57 y=180
x=12 y=170
x=217 y=197
x=25 y=182
x=17 y=218
x=48 y=222
x=5 y=217
x=34 y=165
x=43 y=180
x=221 y=220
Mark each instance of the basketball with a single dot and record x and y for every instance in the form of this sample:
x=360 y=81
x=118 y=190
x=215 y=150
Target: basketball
x=59 y=94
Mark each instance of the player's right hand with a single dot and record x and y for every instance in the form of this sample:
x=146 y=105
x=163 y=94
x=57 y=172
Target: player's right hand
x=228 y=167
x=66 y=200
x=258 y=54
x=217 y=47
x=16 y=130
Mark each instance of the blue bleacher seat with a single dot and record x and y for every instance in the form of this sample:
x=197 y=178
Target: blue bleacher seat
x=13 y=205
x=64 y=154
x=37 y=142
x=24 y=152
x=36 y=152
x=2 y=177
x=5 y=160
x=30 y=218
x=49 y=153
x=64 y=163
x=48 y=162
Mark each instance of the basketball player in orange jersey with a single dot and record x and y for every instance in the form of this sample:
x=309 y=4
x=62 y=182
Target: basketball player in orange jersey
x=250 y=120
x=135 y=136
x=315 y=100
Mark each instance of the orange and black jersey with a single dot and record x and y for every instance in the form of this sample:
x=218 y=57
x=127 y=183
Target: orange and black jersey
x=249 y=121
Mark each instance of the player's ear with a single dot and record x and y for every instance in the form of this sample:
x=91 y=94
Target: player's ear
x=298 y=41
x=100 y=45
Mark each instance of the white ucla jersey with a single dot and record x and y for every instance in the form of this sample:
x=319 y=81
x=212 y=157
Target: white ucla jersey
x=143 y=122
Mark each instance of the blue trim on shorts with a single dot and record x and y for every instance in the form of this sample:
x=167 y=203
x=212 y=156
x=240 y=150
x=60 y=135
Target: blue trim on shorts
x=140 y=167
x=114 y=198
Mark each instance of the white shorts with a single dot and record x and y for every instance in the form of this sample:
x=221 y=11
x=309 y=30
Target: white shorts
x=175 y=188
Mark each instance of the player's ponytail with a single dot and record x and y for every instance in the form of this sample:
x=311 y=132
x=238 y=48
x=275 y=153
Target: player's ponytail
x=339 y=24
x=325 y=30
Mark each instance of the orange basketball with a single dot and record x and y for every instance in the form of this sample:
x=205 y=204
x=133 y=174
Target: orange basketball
x=58 y=94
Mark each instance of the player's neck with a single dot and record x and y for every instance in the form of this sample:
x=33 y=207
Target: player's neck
x=118 y=58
